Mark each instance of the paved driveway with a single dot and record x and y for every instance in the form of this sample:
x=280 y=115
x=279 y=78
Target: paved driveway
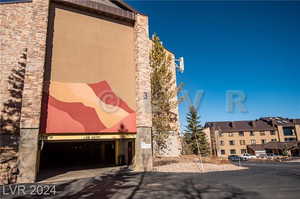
x=260 y=180
x=62 y=175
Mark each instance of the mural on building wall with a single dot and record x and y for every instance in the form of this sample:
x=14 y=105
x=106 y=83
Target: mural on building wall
x=83 y=107
x=90 y=79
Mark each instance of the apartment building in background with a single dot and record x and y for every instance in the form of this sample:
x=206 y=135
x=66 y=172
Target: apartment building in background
x=238 y=137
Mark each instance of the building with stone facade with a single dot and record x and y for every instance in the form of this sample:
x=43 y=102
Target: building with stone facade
x=85 y=87
x=173 y=143
x=238 y=137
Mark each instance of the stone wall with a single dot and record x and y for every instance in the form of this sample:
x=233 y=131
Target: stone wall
x=143 y=85
x=15 y=31
x=174 y=146
x=8 y=167
x=24 y=26
x=173 y=143
x=143 y=154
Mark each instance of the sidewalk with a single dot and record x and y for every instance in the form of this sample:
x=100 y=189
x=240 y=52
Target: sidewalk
x=60 y=175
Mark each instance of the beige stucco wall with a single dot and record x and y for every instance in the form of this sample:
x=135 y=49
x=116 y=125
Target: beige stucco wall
x=297 y=128
x=90 y=49
x=207 y=133
x=280 y=133
x=236 y=137
x=282 y=136
x=279 y=136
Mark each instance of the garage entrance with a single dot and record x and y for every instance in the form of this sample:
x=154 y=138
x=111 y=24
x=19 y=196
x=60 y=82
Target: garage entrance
x=60 y=155
x=77 y=154
x=68 y=159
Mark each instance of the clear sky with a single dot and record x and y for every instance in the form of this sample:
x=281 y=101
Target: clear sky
x=252 y=47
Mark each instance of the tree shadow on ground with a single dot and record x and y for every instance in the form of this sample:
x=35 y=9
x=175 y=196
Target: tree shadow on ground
x=47 y=173
x=159 y=162
x=278 y=180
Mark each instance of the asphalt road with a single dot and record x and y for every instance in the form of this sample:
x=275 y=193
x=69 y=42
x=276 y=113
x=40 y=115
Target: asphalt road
x=268 y=180
x=260 y=180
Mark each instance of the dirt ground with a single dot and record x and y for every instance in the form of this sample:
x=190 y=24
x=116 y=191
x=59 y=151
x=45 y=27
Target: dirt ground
x=193 y=163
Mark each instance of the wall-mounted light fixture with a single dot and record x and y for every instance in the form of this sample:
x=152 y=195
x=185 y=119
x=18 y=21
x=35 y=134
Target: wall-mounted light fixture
x=179 y=63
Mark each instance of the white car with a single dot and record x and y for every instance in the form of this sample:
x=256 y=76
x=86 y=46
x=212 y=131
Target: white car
x=248 y=156
x=273 y=156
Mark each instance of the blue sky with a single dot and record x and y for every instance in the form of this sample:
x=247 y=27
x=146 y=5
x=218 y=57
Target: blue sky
x=248 y=46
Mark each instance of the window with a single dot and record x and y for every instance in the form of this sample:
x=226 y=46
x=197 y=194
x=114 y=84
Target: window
x=242 y=142
x=222 y=143
x=289 y=139
x=241 y=133
x=222 y=152
x=220 y=134
x=232 y=151
x=14 y=1
x=231 y=142
x=288 y=131
x=243 y=151
x=263 y=141
x=253 y=141
x=251 y=133
x=272 y=132
x=273 y=140
x=262 y=133
x=230 y=134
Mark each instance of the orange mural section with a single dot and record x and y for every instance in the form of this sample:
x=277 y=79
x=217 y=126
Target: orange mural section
x=87 y=108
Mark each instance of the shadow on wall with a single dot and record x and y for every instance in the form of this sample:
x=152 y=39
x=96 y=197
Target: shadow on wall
x=11 y=112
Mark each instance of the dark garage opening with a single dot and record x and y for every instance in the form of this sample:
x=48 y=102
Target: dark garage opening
x=60 y=157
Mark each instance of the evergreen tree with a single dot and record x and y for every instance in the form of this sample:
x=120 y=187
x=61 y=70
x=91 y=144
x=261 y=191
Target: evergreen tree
x=194 y=135
x=163 y=93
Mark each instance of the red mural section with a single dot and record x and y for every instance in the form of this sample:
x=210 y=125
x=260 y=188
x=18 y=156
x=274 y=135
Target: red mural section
x=86 y=108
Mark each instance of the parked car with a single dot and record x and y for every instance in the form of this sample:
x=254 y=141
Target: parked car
x=235 y=158
x=248 y=156
x=262 y=156
x=272 y=156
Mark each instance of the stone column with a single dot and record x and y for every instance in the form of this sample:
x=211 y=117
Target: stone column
x=117 y=151
x=28 y=148
x=297 y=129
x=143 y=143
x=280 y=134
x=32 y=93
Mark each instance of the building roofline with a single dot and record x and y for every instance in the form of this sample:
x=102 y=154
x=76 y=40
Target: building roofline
x=127 y=6
x=261 y=124
x=274 y=145
x=99 y=8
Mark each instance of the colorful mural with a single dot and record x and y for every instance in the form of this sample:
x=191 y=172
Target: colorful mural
x=83 y=107
x=91 y=81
